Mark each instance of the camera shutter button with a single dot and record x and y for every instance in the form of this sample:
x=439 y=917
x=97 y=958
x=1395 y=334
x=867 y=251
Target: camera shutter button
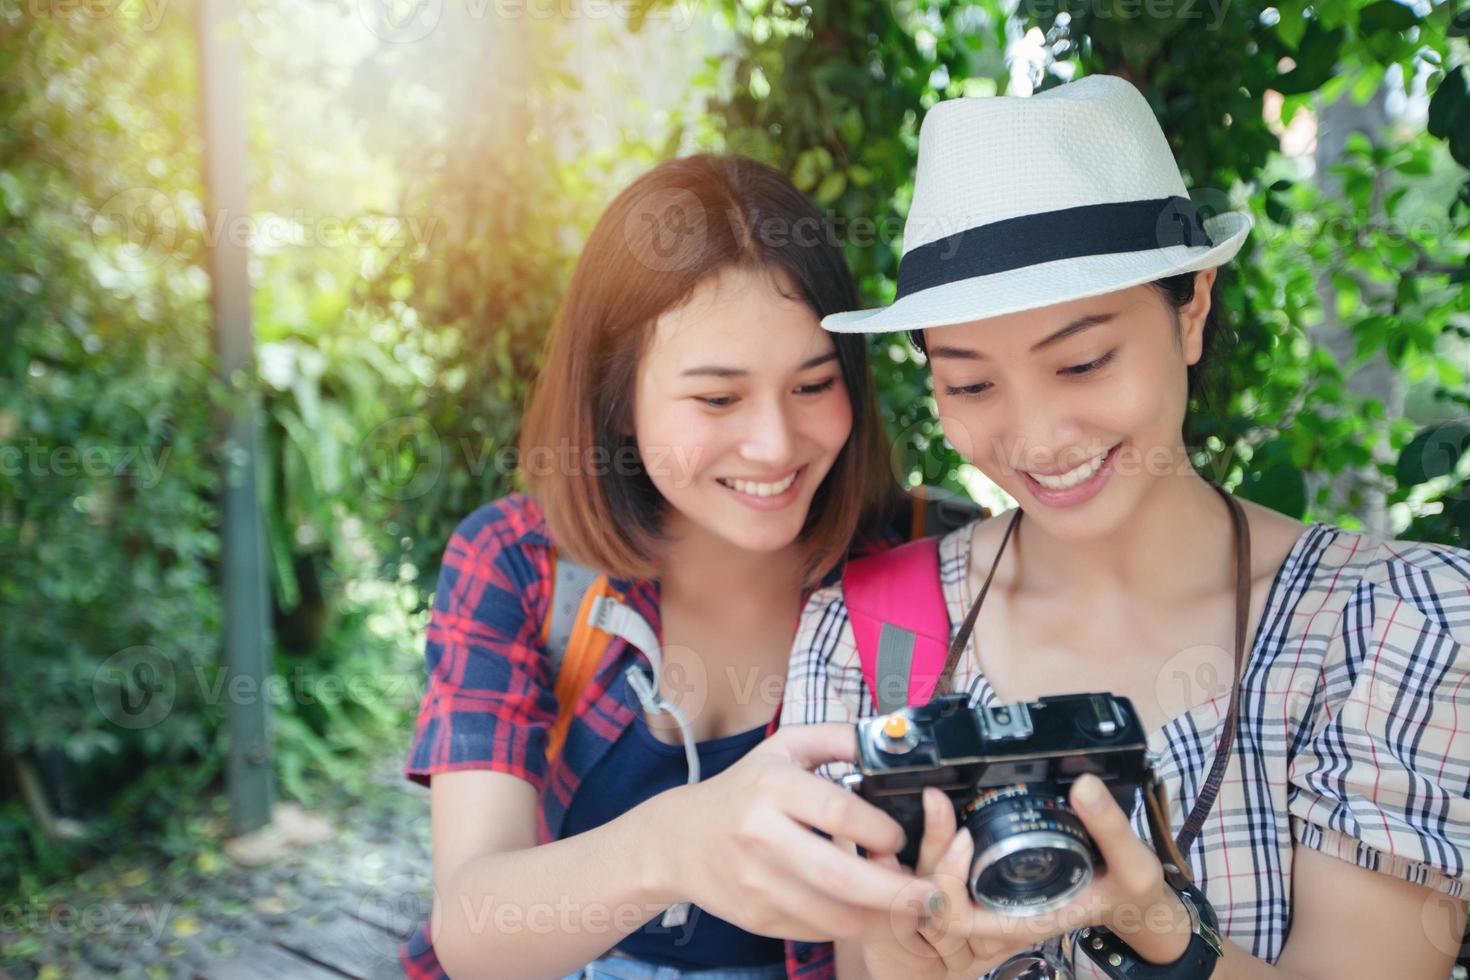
x=898 y=734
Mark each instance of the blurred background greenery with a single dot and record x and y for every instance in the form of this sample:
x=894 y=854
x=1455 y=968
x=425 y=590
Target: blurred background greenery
x=421 y=177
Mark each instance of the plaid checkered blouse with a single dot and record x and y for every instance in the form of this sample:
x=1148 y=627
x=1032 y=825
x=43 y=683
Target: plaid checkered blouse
x=489 y=702
x=1350 y=740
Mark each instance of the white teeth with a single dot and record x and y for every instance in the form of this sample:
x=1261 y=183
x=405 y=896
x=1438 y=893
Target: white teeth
x=1071 y=478
x=760 y=489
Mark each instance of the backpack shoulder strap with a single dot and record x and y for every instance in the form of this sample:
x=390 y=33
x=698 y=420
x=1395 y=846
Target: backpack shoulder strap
x=574 y=647
x=896 y=605
x=569 y=583
x=936 y=513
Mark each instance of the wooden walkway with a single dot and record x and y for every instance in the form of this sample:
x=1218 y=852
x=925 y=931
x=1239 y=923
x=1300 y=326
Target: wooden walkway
x=362 y=947
x=357 y=909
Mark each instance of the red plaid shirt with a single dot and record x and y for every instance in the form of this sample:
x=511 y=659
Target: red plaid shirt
x=489 y=701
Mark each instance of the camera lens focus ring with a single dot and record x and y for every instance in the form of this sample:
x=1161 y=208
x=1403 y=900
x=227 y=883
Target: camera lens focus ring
x=1046 y=855
x=1032 y=853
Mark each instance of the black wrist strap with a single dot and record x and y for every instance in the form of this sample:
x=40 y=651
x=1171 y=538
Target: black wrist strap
x=1119 y=960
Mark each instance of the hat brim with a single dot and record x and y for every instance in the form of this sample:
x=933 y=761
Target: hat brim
x=1046 y=283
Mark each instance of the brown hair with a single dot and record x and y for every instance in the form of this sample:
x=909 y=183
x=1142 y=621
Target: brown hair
x=674 y=227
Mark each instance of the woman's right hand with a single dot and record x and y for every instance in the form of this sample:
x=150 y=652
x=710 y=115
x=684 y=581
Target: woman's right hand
x=938 y=945
x=741 y=847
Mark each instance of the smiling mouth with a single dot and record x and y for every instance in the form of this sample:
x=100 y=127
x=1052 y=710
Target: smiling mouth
x=1074 y=476
x=760 y=489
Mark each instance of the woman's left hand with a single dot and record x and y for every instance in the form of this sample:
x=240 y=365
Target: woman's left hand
x=1127 y=895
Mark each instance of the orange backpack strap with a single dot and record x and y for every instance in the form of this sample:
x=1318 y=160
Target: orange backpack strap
x=575 y=647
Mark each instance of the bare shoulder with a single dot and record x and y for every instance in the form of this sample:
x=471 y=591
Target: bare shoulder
x=989 y=530
x=986 y=535
x=1273 y=535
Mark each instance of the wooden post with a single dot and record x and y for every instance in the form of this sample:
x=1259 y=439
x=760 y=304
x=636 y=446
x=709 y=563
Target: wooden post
x=247 y=629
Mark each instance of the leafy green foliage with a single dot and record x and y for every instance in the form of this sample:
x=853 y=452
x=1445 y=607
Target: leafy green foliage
x=107 y=474
x=833 y=93
x=392 y=372
x=110 y=616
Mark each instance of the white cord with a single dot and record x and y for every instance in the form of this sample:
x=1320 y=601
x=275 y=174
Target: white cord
x=648 y=694
x=612 y=616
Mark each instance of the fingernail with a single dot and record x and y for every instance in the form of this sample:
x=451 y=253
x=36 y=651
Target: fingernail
x=934 y=903
x=957 y=846
x=1089 y=793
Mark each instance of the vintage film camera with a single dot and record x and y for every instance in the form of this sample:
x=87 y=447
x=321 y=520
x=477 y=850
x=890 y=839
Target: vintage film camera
x=1007 y=769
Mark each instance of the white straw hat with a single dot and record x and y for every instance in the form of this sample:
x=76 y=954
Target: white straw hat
x=1025 y=201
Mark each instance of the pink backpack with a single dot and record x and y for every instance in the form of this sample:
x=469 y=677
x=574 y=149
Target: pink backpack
x=895 y=602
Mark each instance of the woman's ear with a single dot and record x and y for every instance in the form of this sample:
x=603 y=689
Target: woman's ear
x=1192 y=316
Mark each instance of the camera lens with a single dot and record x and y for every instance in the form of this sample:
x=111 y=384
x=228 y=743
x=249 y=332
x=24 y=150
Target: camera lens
x=1031 y=851
x=1029 y=868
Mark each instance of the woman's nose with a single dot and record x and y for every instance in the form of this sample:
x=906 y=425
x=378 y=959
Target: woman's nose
x=769 y=438
x=1043 y=431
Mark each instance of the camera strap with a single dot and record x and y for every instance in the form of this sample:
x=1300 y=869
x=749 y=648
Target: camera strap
x=1172 y=851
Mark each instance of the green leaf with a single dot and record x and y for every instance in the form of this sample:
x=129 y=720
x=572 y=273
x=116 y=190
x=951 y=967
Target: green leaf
x=1369 y=81
x=811 y=165
x=1449 y=105
x=831 y=188
x=1278 y=485
x=1316 y=60
x=1278 y=212
x=1434 y=452
x=1416 y=164
x=1357 y=143
x=1292 y=23
x=1386 y=15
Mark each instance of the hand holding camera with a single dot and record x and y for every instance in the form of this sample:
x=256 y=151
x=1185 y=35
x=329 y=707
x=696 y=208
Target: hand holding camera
x=1017 y=813
x=740 y=846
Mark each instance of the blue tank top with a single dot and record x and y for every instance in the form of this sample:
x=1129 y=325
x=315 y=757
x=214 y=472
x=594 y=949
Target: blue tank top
x=638 y=766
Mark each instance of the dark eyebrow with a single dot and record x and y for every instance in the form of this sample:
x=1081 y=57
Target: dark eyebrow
x=716 y=371
x=1077 y=325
